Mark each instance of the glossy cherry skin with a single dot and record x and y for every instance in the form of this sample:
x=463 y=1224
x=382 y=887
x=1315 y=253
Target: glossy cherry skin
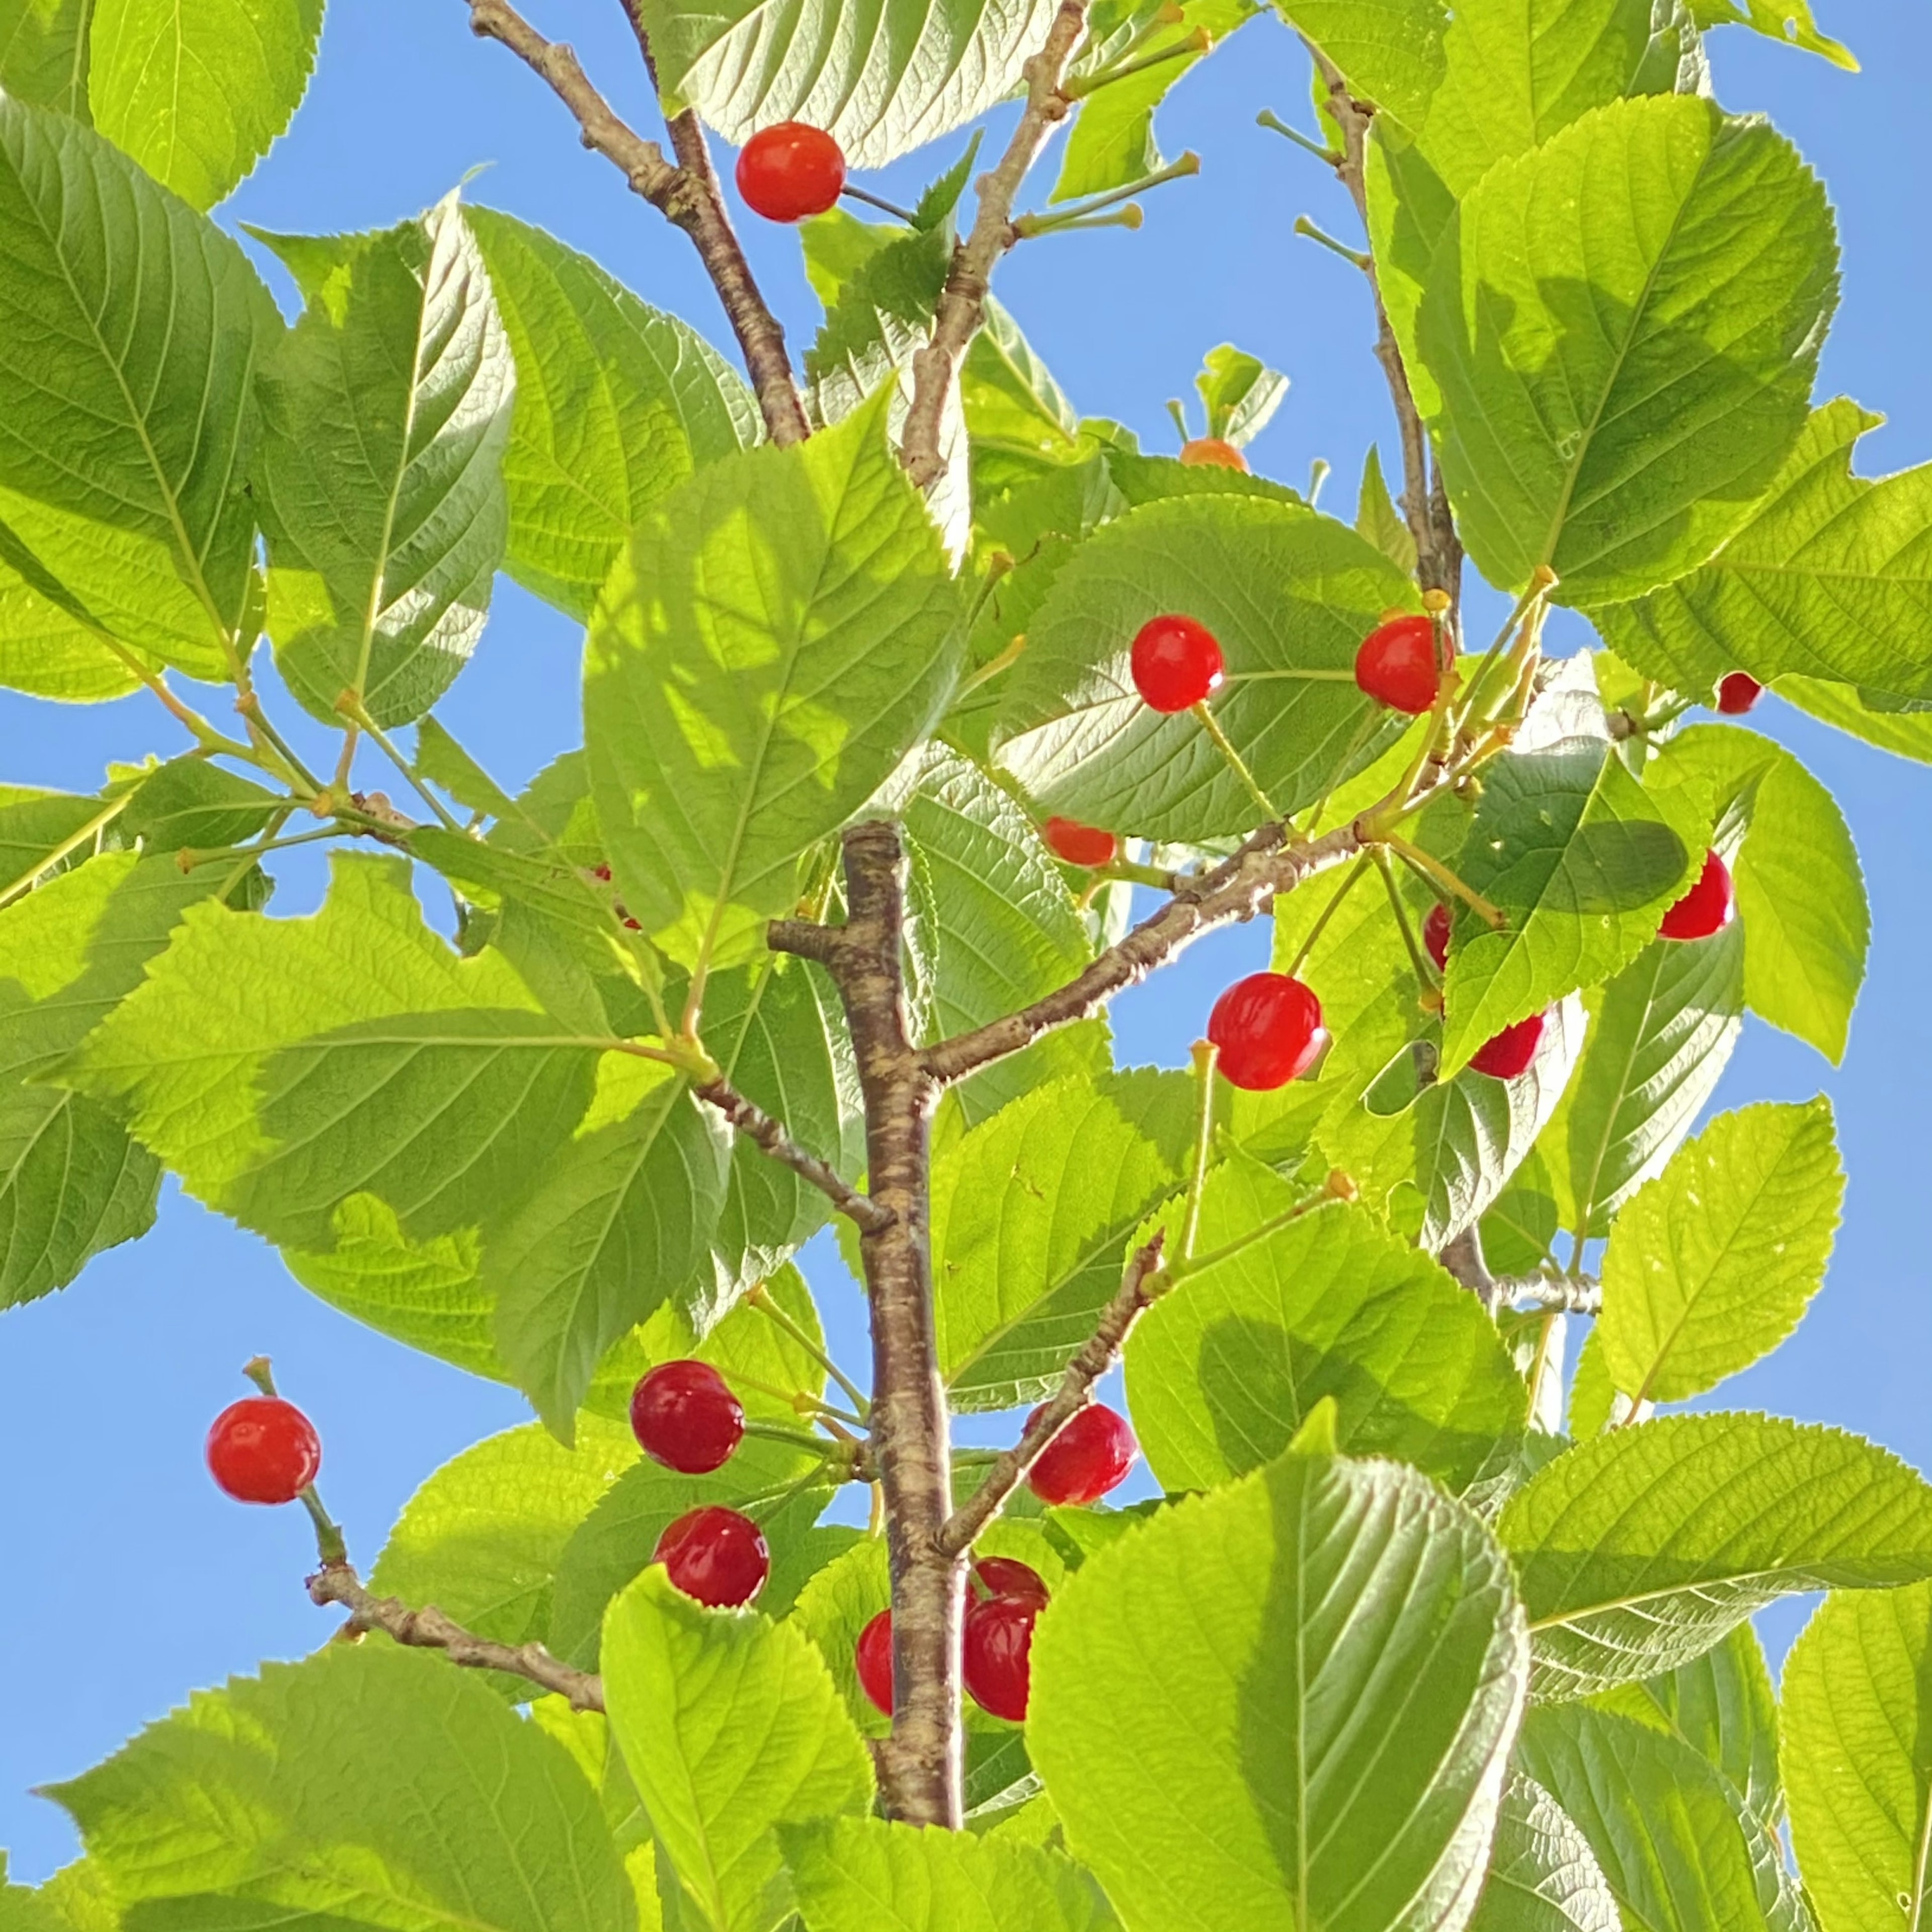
x=872 y=1658
x=684 y=1416
x=1398 y=665
x=1176 y=662
x=1738 y=691
x=1268 y=1030
x=1091 y=1455
x=790 y=171
x=1080 y=844
x=1512 y=1050
x=1008 y=1576
x=1708 y=906
x=715 y=1554
x=1214 y=452
x=998 y=1663
x=1435 y=935
x=263 y=1450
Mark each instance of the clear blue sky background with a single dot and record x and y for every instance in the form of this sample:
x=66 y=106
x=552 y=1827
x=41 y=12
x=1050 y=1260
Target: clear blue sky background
x=130 y=1580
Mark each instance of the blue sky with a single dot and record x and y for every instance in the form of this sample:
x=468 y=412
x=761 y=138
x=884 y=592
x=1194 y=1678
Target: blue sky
x=133 y=1581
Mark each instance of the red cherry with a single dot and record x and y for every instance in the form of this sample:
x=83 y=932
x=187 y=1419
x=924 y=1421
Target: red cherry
x=1007 y=1576
x=601 y=873
x=1176 y=662
x=263 y=1450
x=1512 y=1050
x=1708 y=906
x=715 y=1554
x=1738 y=691
x=1436 y=936
x=1268 y=1028
x=1398 y=665
x=684 y=1416
x=997 y=1664
x=790 y=171
x=1080 y=844
x=1091 y=1455
x=1212 y=452
x=872 y=1657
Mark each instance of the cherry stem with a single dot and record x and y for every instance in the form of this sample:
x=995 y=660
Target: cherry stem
x=1362 y=732
x=871 y=200
x=1267 y=118
x=1078 y=85
x=351 y=707
x=760 y=1299
x=778 y=1432
x=1305 y=227
x=330 y=1544
x=1542 y=580
x=250 y=706
x=1236 y=764
x=1425 y=967
x=1441 y=875
x=1190 y=164
x=1205 y=1055
x=1328 y=912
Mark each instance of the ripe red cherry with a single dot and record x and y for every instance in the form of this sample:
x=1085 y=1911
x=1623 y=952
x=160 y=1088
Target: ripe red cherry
x=1176 y=662
x=997 y=1662
x=1398 y=665
x=1708 y=906
x=263 y=1450
x=1080 y=844
x=1268 y=1030
x=1738 y=691
x=872 y=1657
x=684 y=1416
x=715 y=1554
x=1091 y=1455
x=790 y=171
x=1436 y=936
x=1007 y=1576
x=1512 y=1050
x=1214 y=452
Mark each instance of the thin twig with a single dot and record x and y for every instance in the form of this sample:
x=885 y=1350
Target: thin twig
x=963 y=300
x=1140 y=1287
x=429 y=1629
x=751 y=1120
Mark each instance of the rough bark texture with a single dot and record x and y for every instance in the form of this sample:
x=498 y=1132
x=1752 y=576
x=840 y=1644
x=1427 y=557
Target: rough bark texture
x=747 y=1117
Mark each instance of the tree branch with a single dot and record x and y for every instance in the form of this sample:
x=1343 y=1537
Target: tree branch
x=963 y=299
x=1462 y=1256
x=1238 y=888
x=429 y=1629
x=1438 y=554
x=751 y=1120
x=1140 y=1288
x=687 y=196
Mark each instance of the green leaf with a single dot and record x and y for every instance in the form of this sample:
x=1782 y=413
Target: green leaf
x=1240 y=393
x=617 y=403
x=772 y=1481
x=781 y=632
x=1017 y=415
x=197 y=93
x=190 y=802
x=1660 y=1035
x=1623 y=326
x=901 y=276
x=1544 y=1877
x=1678 y=1852
x=275 y=1801
x=1722 y=1705
x=619 y=1220
x=870 y=1875
x=1274 y=1316
x=1858 y=1757
x=1906 y=733
x=1790 y=21
x=1378 y=520
x=1288 y=595
x=730 y=1727
x=1390 y=51
x=47 y=652
x=142 y=530
x=1639 y=1548
x=1262 y=1647
x=1710 y=1265
x=480 y=1538
x=999 y=924
x=1111 y=145
x=922 y=68
x=385 y=412
x=1032 y=1211
x=43 y=52
x=1831 y=577
x=1582 y=862
x=441 y=760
